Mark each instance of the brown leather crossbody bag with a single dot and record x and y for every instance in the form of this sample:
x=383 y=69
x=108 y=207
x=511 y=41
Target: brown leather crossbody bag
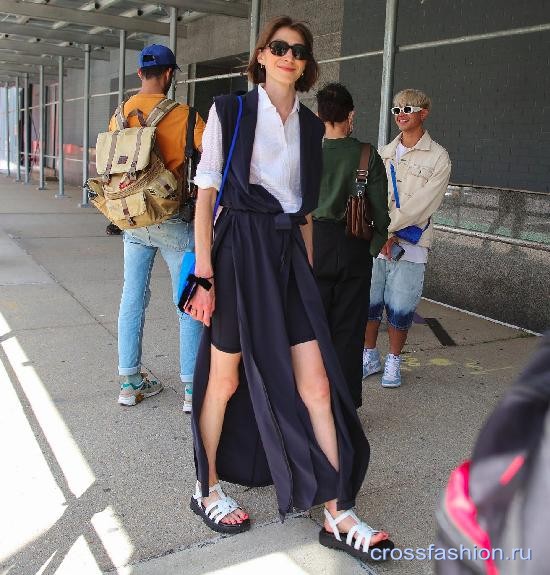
x=358 y=209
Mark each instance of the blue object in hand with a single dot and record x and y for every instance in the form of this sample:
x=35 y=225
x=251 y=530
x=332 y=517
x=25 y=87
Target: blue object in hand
x=185 y=287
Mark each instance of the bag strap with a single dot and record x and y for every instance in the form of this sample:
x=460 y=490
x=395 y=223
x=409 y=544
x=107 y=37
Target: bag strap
x=159 y=111
x=190 y=140
x=362 y=172
x=229 y=155
x=190 y=148
x=396 y=195
x=394 y=182
x=364 y=160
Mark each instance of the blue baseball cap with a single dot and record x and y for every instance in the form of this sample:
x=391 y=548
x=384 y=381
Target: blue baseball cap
x=157 y=55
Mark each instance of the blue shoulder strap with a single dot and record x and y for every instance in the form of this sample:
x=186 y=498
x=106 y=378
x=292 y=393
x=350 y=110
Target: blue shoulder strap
x=394 y=182
x=396 y=195
x=229 y=155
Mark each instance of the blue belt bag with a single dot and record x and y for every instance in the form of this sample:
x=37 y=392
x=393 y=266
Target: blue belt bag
x=188 y=281
x=410 y=234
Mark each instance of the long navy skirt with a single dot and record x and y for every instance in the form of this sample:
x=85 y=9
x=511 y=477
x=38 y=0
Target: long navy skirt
x=267 y=435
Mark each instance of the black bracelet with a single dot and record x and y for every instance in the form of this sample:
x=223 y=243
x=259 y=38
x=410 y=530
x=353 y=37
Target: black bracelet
x=203 y=282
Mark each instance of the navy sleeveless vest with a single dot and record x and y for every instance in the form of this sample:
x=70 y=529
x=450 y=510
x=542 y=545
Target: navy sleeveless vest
x=237 y=193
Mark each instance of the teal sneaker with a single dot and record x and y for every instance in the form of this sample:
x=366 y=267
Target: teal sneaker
x=392 y=371
x=371 y=362
x=131 y=394
x=188 y=397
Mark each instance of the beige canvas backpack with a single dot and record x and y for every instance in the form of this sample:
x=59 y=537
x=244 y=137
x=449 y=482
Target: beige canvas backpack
x=134 y=188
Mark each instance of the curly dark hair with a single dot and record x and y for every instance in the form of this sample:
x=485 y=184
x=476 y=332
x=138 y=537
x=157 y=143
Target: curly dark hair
x=334 y=103
x=256 y=74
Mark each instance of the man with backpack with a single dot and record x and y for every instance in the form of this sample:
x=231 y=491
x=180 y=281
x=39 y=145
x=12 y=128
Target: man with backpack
x=151 y=215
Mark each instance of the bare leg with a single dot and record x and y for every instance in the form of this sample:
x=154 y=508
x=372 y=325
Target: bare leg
x=371 y=334
x=222 y=384
x=398 y=337
x=314 y=389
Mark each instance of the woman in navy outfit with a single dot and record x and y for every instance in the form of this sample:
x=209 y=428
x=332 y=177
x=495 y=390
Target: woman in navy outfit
x=270 y=403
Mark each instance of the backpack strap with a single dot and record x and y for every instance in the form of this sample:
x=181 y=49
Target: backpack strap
x=121 y=120
x=132 y=172
x=137 y=112
x=107 y=174
x=159 y=111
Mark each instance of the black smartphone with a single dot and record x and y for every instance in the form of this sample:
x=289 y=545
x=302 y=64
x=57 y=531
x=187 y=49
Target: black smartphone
x=396 y=252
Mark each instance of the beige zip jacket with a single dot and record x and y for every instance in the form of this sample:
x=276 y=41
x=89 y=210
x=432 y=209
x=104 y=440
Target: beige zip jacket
x=422 y=177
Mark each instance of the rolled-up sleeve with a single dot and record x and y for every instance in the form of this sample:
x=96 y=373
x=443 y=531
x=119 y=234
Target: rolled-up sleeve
x=209 y=170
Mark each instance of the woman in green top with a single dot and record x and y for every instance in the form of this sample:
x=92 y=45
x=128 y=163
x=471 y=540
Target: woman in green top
x=343 y=264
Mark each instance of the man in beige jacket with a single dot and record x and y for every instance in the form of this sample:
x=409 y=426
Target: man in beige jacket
x=418 y=173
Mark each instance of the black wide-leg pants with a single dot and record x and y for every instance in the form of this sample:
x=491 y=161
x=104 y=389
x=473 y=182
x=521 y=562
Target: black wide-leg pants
x=343 y=268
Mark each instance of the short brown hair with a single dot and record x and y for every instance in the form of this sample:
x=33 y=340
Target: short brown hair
x=256 y=74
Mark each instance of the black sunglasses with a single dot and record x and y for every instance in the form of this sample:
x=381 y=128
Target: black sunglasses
x=280 y=48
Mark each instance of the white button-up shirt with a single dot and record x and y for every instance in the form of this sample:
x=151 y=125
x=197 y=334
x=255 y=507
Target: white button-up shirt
x=275 y=162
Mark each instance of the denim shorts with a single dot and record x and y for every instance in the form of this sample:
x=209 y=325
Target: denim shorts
x=397 y=287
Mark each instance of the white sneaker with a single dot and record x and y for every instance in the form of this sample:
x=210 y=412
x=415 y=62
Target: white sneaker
x=188 y=397
x=392 y=371
x=371 y=362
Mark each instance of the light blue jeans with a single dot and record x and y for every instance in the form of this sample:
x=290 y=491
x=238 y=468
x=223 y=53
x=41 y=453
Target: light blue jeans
x=173 y=238
x=396 y=286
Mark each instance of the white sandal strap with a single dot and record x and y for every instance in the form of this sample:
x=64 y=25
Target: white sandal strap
x=216 y=487
x=198 y=492
x=363 y=533
x=221 y=508
x=333 y=521
x=217 y=510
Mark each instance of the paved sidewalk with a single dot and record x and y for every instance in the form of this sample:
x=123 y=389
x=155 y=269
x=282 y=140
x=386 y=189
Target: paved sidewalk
x=89 y=487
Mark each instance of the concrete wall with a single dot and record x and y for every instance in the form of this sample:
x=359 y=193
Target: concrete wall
x=505 y=282
x=489 y=96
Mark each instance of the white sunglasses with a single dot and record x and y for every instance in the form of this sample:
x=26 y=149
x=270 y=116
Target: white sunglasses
x=405 y=110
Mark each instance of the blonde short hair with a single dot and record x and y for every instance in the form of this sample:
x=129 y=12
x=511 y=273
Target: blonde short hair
x=412 y=98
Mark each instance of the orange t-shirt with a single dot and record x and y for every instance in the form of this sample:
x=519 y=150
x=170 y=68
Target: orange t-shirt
x=171 y=133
